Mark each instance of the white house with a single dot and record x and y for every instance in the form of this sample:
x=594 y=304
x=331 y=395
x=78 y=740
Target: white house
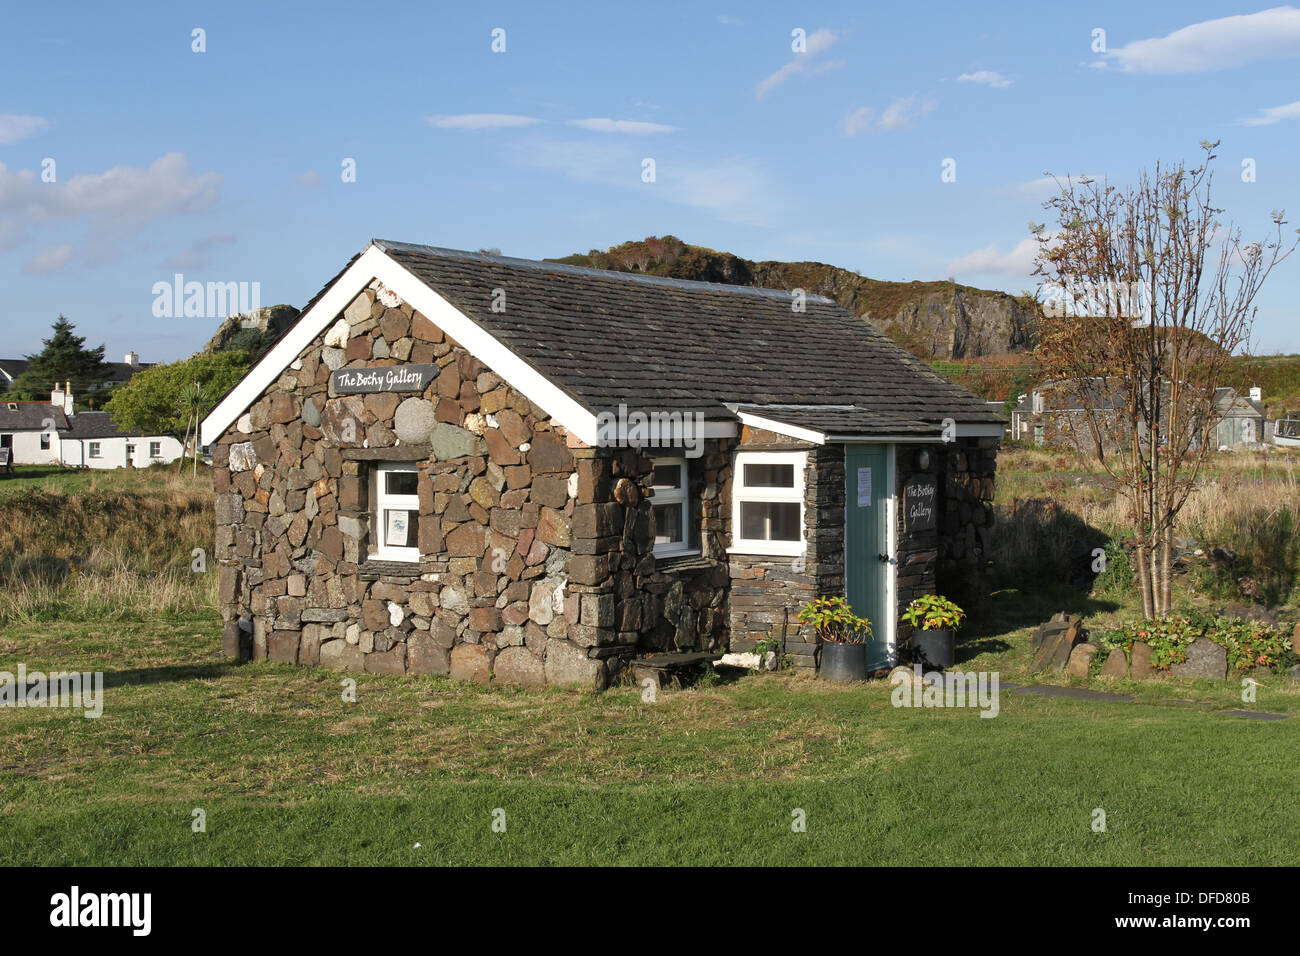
x=53 y=433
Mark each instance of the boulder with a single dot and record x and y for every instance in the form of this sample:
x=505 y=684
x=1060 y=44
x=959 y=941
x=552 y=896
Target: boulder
x=1116 y=664
x=569 y=666
x=425 y=655
x=517 y=665
x=1080 y=661
x=339 y=655
x=414 y=420
x=1140 y=668
x=1205 y=659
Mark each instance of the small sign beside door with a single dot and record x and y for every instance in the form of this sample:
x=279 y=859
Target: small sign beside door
x=864 y=487
x=919 y=496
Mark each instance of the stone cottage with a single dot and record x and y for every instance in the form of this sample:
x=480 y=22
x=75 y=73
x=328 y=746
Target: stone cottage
x=531 y=473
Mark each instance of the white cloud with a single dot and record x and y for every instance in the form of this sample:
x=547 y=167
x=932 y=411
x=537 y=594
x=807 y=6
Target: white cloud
x=985 y=78
x=818 y=42
x=14 y=127
x=635 y=127
x=1019 y=261
x=1215 y=44
x=310 y=178
x=730 y=21
x=198 y=255
x=734 y=189
x=49 y=260
x=1274 y=114
x=481 y=121
x=111 y=206
x=899 y=114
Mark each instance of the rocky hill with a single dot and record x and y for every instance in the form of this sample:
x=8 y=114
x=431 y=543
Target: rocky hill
x=933 y=320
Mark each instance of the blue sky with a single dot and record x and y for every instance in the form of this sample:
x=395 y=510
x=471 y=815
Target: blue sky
x=226 y=165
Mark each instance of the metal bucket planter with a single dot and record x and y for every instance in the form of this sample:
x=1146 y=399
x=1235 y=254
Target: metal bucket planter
x=935 y=649
x=843 y=662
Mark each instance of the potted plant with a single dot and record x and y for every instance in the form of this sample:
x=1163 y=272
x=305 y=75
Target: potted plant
x=842 y=635
x=935 y=619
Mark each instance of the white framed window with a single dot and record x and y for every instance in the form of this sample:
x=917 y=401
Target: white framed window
x=767 y=503
x=155 y=449
x=672 y=507
x=130 y=451
x=94 y=449
x=396 y=512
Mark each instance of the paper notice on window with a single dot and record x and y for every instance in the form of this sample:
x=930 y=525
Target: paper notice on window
x=397 y=528
x=864 y=487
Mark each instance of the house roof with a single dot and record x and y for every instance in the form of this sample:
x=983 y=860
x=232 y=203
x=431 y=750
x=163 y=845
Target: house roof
x=592 y=339
x=92 y=425
x=12 y=368
x=647 y=341
x=30 y=416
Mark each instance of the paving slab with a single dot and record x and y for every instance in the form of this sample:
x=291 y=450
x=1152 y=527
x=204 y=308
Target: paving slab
x=1253 y=714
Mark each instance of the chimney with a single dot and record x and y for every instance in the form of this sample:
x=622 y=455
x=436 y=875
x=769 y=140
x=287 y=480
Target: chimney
x=131 y=359
x=1256 y=393
x=62 y=397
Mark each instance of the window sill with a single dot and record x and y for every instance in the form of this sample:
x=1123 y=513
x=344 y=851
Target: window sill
x=682 y=560
x=768 y=550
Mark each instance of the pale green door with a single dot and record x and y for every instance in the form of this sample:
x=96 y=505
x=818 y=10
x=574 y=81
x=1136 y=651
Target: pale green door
x=866 y=544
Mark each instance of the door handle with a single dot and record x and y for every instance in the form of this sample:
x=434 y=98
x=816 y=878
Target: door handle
x=883 y=557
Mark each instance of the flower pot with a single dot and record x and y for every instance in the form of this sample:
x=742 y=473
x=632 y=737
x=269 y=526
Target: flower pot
x=843 y=662
x=934 y=649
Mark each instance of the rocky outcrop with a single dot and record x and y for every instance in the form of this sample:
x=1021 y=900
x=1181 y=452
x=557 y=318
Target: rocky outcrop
x=933 y=320
x=256 y=331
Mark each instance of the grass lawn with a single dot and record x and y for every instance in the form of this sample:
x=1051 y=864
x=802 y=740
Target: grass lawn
x=287 y=772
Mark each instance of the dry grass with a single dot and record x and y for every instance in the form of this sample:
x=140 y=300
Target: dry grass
x=117 y=546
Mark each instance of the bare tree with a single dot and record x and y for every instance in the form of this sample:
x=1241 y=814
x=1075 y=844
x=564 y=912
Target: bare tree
x=1146 y=296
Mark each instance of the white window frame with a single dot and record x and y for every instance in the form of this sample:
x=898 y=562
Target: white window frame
x=152 y=446
x=740 y=494
x=380 y=500
x=682 y=496
x=93 y=451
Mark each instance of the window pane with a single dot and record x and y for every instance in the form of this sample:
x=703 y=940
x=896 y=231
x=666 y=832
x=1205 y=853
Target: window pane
x=400 y=483
x=399 y=528
x=668 y=523
x=769 y=520
x=668 y=476
x=769 y=476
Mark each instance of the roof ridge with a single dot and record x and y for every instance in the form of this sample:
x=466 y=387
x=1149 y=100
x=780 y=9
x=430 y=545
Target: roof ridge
x=562 y=268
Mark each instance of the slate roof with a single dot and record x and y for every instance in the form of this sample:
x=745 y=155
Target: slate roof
x=93 y=425
x=841 y=421
x=30 y=416
x=675 y=345
x=12 y=368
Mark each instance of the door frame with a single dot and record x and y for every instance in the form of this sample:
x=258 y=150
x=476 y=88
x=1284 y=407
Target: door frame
x=891 y=541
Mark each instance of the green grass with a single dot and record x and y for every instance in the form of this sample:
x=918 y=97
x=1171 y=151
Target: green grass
x=54 y=479
x=287 y=772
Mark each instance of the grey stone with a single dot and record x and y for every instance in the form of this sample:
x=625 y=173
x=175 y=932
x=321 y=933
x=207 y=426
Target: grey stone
x=569 y=666
x=310 y=413
x=1205 y=659
x=333 y=359
x=413 y=420
x=342 y=656
x=518 y=665
x=448 y=441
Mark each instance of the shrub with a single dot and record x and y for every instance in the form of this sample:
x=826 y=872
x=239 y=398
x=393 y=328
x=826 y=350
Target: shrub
x=1249 y=643
x=834 y=621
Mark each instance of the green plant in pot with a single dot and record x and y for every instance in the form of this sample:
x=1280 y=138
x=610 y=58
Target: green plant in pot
x=842 y=635
x=936 y=620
